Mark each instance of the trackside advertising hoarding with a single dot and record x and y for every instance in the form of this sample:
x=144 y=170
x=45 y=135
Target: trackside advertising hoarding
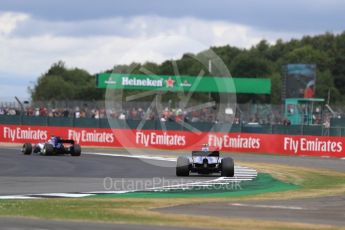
x=183 y=140
x=184 y=83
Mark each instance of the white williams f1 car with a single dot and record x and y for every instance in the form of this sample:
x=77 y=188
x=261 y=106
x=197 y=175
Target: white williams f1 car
x=205 y=162
x=54 y=146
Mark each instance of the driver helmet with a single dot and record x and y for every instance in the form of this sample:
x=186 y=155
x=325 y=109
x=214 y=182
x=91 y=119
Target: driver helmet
x=54 y=140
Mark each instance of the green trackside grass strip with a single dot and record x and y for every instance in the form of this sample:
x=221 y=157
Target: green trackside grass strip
x=263 y=183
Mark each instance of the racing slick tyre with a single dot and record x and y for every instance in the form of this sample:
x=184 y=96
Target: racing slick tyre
x=228 y=167
x=48 y=149
x=27 y=149
x=76 y=151
x=182 y=166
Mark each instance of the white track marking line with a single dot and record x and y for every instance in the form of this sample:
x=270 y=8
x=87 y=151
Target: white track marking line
x=240 y=177
x=244 y=174
x=161 y=158
x=178 y=186
x=71 y=195
x=221 y=180
x=236 y=179
x=111 y=192
x=267 y=206
x=173 y=159
x=245 y=170
x=19 y=197
x=132 y=156
x=243 y=167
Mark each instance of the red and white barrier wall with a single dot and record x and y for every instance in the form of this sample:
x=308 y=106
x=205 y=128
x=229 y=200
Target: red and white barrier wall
x=236 y=142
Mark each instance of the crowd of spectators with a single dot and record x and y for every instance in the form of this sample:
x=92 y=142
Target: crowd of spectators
x=131 y=113
x=208 y=114
x=9 y=111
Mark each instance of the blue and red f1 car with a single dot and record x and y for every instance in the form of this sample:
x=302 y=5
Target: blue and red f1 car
x=54 y=146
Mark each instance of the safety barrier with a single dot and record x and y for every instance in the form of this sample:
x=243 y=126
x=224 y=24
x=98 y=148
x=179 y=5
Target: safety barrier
x=181 y=140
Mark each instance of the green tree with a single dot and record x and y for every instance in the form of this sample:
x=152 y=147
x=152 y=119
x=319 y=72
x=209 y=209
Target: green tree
x=276 y=88
x=308 y=55
x=338 y=70
x=250 y=64
x=150 y=67
x=325 y=86
x=61 y=83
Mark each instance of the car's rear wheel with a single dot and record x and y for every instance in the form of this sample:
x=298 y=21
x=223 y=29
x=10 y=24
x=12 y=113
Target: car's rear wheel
x=76 y=150
x=228 y=167
x=48 y=149
x=27 y=149
x=182 y=166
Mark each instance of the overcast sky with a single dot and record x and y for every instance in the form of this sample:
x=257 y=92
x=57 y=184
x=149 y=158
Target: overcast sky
x=99 y=34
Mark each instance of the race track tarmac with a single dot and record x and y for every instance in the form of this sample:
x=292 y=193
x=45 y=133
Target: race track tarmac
x=36 y=224
x=21 y=174
x=324 y=210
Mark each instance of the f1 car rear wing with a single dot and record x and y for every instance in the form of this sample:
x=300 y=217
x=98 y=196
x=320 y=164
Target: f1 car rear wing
x=67 y=141
x=205 y=154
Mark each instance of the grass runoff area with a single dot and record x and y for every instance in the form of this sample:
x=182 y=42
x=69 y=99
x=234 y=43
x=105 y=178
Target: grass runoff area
x=308 y=183
x=263 y=183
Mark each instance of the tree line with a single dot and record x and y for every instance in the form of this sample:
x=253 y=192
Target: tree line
x=263 y=60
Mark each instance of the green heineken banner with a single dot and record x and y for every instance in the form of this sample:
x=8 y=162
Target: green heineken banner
x=184 y=83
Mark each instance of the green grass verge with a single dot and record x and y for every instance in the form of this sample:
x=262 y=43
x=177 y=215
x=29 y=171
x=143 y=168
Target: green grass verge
x=263 y=183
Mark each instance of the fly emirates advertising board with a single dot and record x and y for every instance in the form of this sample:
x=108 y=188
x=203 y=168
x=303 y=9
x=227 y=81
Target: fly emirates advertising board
x=180 y=140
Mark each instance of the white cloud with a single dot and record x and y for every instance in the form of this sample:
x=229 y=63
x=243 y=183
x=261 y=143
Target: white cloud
x=29 y=46
x=9 y=21
x=99 y=44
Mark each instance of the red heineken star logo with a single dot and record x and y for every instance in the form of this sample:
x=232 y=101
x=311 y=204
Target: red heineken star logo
x=170 y=82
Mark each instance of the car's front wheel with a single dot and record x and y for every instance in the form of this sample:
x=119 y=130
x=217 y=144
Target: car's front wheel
x=228 y=167
x=27 y=149
x=182 y=166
